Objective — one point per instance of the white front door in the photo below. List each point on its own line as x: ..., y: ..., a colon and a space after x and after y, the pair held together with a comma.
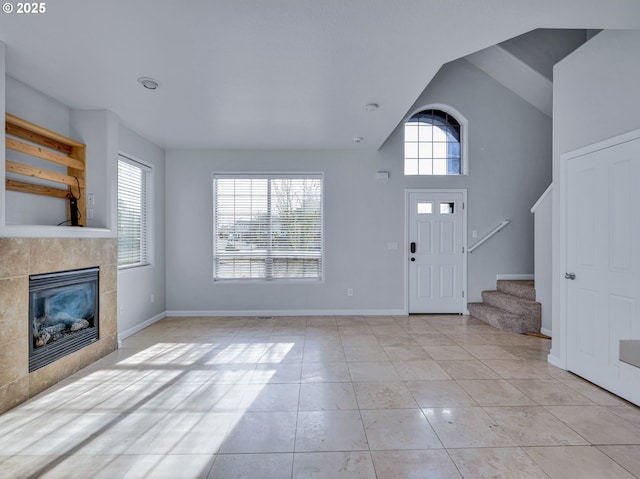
x: 603, y: 265
x: 436, y: 251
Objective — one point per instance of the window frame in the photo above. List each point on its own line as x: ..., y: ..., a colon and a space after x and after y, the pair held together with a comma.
x: 268, y: 176
x: 462, y: 120
x: 147, y: 252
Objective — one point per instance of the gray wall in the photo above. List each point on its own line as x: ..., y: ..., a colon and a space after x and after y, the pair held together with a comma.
x: 98, y: 129
x: 509, y: 168
x: 141, y: 291
x: 361, y: 215
x: 596, y: 97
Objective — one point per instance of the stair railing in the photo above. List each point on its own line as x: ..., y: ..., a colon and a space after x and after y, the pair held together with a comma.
x: 494, y: 231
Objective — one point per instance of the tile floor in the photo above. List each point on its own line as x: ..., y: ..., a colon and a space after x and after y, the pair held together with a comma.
x: 323, y: 397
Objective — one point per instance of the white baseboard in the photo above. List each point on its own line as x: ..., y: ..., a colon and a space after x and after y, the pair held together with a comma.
x: 515, y: 277
x: 546, y: 331
x: 139, y: 327
x: 555, y: 361
x: 287, y: 312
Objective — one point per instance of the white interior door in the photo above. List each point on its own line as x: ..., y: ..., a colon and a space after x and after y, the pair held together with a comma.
x: 435, y: 254
x: 603, y: 267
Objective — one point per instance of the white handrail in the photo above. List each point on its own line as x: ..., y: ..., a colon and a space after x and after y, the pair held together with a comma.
x: 489, y: 235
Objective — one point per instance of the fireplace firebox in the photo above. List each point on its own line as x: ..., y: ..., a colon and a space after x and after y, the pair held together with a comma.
x: 63, y: 314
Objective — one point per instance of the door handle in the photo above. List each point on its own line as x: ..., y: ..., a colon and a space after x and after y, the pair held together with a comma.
x: 413, y: 247
x: 570, y: 276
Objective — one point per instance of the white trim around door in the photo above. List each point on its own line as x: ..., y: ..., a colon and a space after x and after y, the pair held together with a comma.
x: 461, y: 307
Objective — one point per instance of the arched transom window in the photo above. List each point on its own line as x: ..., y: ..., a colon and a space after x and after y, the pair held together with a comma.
x: 432, y: 140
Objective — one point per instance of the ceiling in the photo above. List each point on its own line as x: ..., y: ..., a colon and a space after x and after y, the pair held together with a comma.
x: 541, y: 49
x: 268, y: 74
x: 524, y: 64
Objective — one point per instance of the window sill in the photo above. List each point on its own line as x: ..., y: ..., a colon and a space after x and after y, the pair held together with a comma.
x: 133, y: 267
x: 40, y: 231
x: 255, y: 281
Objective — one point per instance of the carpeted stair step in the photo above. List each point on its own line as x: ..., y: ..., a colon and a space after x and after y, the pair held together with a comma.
x: 523, y: 289
x: 501, y: 319
x: 513, y: 304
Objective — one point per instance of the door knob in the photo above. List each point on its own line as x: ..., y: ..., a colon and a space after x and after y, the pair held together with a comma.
x: 571, y: 276
x: 413, y: 259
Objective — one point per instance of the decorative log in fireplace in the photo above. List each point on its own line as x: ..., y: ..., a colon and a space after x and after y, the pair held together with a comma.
x: 63, y: 314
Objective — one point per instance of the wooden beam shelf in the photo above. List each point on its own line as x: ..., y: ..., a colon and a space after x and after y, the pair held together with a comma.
x: 14, y: 185
x: 33, y: 140
x: 43, y: 154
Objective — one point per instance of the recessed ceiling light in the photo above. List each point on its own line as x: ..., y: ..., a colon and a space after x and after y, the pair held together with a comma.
x: 371, y: 107
x: 149, y: 83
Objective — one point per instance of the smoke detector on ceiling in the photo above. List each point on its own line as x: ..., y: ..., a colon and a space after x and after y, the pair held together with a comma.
x: 149, y: 83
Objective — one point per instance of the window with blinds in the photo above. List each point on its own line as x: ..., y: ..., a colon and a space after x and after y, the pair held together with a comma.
x: 133, y: 213
x: 267, y: 227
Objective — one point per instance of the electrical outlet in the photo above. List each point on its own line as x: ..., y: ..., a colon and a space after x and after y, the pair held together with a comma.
x: 349, y: 291
x: 91, y: 199
x: 89, y: 213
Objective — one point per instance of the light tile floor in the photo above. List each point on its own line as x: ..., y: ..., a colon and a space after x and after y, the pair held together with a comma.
x: 323, y: 397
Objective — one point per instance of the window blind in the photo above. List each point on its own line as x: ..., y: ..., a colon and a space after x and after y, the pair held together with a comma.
x: 133, y: 220
x: 267, y: 227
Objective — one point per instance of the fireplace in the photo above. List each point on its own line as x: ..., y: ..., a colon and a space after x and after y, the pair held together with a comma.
x: 63, y: 314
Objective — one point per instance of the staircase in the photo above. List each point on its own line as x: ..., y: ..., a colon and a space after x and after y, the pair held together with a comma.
x: 512, y: 307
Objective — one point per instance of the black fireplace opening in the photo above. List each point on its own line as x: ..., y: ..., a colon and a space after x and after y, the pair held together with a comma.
x: 63, y: 314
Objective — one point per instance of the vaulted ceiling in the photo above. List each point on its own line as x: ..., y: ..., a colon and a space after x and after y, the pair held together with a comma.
x: 268, y: 74
x: 524, y: 64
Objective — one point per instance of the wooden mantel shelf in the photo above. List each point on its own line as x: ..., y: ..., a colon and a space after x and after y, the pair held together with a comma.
x: 38, y: 142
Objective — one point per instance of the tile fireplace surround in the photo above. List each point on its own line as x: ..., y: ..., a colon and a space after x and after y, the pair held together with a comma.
x: 21, y: 257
